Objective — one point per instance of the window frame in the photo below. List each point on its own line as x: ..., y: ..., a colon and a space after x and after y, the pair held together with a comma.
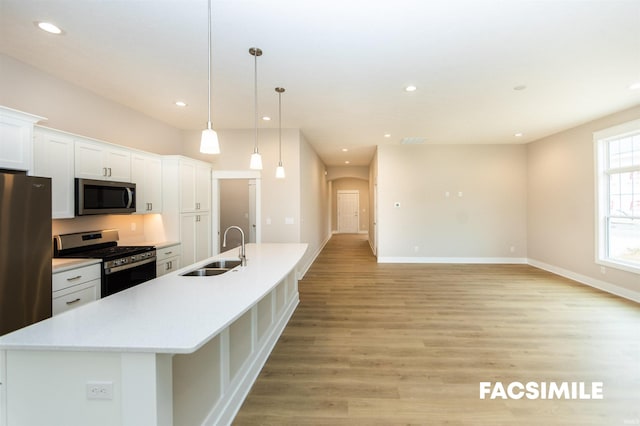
x: 601, y: 141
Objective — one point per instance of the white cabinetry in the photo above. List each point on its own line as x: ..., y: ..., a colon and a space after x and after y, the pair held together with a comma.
x: 75, y: 287
x: 195, y: 229
x: 167, y: 259
x: 186, y: 190
x: 95, y: 160
x: 195, y: 186
x: 16, y: 139
x: 53, y: 156
x: 146, y: 173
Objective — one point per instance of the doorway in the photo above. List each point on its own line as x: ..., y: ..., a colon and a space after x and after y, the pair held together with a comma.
x: 348, y: 211
x: 236, y: 201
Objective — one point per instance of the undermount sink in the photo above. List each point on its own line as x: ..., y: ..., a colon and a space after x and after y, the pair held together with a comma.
x: 218, y: 267
x: 223, y: 264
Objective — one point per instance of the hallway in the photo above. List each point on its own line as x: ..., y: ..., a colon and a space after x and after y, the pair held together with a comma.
x: 385, y: 344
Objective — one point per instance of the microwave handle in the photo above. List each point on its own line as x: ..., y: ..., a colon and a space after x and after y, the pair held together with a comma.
x: 130, y: 196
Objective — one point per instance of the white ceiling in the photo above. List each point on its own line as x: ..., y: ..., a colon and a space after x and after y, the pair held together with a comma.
x: 344, y: 64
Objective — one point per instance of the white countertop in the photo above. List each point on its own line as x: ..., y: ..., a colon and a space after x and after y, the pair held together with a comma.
x: 170, y: 314
x: 64, y: 264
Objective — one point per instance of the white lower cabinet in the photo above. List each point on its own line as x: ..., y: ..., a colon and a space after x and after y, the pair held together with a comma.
x: 168, y: 259
x: 75, y: 287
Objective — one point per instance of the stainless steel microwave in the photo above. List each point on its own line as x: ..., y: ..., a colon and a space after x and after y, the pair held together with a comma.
x: 104, y: 197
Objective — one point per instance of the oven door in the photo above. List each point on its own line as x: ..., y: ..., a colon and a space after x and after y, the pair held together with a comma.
x: 119, y: 279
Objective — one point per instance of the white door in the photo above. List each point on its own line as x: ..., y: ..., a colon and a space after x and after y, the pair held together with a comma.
x: 348, y: 206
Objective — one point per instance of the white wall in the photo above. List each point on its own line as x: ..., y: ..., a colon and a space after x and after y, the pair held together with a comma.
x: 561, y: 206
x: 314, y: 196
x: 76, y: 110
x: 486, y: 224
x: 280, y: 199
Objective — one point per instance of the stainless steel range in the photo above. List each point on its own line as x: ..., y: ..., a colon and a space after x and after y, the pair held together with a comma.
x: 122, y: 266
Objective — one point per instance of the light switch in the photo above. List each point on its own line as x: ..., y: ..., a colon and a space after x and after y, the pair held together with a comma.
x: 288, y: 221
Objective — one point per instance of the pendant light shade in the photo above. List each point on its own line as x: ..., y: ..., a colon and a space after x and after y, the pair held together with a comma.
x: 256, y: 158
x: 209, y: 141
x: 280, y: 169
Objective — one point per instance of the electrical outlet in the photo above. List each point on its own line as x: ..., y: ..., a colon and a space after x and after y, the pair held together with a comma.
x: 99, y: 390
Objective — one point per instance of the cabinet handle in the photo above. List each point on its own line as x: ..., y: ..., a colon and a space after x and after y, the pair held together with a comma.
x: 104, y: 171
x: 71, y: 302
x: 109, y: 171
x: 150, y: 206
x: 74, y: 278
x: 167, y: 253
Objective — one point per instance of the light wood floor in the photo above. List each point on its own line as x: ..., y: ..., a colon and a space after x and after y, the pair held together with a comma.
x: 387, y: 344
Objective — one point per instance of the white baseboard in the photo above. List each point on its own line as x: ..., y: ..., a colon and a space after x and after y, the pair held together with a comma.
x: 487, y: 260
x: 592, y: 282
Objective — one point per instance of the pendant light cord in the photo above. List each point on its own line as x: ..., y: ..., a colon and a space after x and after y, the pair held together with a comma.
x: 209, y: 67
x: 280, y: 127
x: 255, y: 86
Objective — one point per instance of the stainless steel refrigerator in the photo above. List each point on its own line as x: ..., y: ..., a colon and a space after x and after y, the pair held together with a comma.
x: 25, y: 250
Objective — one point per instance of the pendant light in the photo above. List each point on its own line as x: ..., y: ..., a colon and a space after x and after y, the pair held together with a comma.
x: 209, y: 142
x: 280, y: 170
x: 256, y: 158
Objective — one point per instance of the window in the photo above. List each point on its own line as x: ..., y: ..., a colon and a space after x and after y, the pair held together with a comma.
x: 618, y: 195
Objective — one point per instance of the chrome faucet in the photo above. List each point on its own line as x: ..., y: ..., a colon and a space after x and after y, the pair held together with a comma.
x: 243, y: 257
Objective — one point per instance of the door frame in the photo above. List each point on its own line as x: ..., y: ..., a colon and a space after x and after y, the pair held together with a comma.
x: 216, y: 176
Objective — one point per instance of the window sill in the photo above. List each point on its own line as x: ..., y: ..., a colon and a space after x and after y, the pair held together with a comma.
x: 619, y: 265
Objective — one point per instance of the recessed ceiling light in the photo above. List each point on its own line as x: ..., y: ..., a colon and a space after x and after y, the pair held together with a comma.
x: 265, y: 118
x: 181, y: 104
x: 387, y: 135
x: 345, y: 149
x: 520, y: 87
x: 347, y: 162
x: 49, y: 27
x: 635, y: 86
x: 518, y: 135
x: 410, y: 88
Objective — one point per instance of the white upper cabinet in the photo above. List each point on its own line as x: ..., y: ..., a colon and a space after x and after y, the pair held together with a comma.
x: 195, y: 186
x: 53, y: 157
x: 146, y: 173
x: 95, y: 160
x: 16, y: 139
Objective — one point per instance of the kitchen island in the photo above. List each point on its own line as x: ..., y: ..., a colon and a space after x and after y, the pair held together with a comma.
x: 178, y: 349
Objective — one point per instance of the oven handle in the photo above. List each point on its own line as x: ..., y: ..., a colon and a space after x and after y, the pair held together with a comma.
x: 109, y: 271
x: 130, y: 197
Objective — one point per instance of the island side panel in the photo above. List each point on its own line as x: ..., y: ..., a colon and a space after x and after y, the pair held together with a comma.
x: 210, y: 385
x: 79, y: 388
x: 50, y: 387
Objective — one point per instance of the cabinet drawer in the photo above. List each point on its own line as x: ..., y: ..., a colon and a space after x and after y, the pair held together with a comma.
x: 72, y: 277
x: 80, y: 295
x: 167, y: 252
x: 167, y: 265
